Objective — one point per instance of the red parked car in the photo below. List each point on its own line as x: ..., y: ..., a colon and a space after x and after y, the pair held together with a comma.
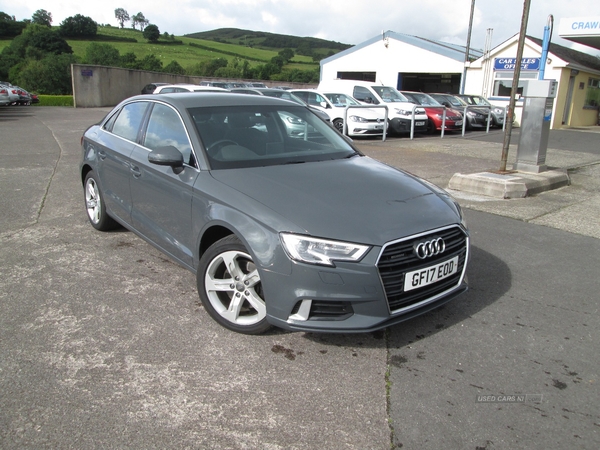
x: 434, y: 111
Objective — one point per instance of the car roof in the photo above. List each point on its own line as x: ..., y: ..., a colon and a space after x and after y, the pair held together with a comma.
x: 195, y: 87
x: 209, y: 99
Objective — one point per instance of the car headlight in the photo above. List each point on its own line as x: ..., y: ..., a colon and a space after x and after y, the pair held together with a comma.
x: 403, y: 112
x: 357, y: 119
x: 321, y: 251
x: 294, y: 120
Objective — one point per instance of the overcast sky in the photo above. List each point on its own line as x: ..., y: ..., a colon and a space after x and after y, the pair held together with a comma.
x: 346, y: 21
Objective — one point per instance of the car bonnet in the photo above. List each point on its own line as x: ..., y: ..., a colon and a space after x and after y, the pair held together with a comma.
x: 357, y: 200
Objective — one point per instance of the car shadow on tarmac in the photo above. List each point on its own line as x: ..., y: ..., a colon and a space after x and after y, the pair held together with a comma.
x: 489, y: 279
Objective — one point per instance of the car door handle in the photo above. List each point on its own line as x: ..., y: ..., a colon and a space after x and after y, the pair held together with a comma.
x: 102, y: 154
x: 135, y: 170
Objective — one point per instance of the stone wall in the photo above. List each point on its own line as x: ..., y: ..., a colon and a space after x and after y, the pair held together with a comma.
x: 96, y: 86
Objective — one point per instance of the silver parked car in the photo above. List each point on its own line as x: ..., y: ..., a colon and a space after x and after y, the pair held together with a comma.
x: 304, y: 233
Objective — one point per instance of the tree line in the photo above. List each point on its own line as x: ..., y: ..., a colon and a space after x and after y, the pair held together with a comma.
x: 39, y: 58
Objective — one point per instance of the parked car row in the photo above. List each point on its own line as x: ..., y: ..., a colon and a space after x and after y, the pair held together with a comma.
x: 361, y: 104
x: 475, y: 117
x: 150, y: 88
x: 15, y: 95
x: 451, y: 121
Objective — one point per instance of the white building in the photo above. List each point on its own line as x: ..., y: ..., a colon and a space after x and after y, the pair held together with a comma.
x: 417, y: 64
x: 577, y: 74
x: 400, y: 60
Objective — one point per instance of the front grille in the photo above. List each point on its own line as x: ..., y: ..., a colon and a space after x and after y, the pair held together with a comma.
x: 398, y: 258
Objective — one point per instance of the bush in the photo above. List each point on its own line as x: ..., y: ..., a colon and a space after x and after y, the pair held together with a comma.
x: 54, y: 100
x: 78, y: 26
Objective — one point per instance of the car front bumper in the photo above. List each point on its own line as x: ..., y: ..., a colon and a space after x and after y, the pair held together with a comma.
x: 365, y: 296
x: 398, y: 125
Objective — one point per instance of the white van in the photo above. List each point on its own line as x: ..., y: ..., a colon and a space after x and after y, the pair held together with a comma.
x: 400, y: 109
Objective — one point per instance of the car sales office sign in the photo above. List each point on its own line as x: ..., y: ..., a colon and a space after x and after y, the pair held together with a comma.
x: 510, y: 63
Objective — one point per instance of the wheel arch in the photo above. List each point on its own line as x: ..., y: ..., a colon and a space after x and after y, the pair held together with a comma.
x: 261, y: 242
x: 85, y: 169
x: 211, y: 235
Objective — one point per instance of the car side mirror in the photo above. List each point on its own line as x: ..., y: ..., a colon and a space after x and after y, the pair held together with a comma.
x: 324, y: 105
x: 167, y: 156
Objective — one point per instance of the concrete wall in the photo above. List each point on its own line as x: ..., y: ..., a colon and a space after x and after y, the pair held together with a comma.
x: 95, y: 86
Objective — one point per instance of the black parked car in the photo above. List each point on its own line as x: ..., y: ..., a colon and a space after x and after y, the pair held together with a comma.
x: 149, y: 88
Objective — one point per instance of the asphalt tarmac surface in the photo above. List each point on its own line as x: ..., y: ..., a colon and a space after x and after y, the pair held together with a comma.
x: 104, y: 344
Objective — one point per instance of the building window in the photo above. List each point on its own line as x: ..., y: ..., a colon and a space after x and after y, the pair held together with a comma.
x: 592, y: 96
x: 361, y: 76
x: 503, y: 83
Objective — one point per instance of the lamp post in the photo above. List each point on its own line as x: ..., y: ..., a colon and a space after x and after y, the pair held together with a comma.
x: 515, y: 84
x: 467, y: 49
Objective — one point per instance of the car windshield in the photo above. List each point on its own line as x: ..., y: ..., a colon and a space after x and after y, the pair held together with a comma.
x: 389, y: 94
x: 481, y: 101
x: 261, y: 135
x: 341, y: 100
x: 454, y: 101
x: 423, y: 99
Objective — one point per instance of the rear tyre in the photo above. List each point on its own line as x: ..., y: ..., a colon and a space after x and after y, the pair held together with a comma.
x: 94, y: 205
x: 230, y: 289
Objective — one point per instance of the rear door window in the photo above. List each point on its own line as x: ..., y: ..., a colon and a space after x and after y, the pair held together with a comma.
x: 127, y: 124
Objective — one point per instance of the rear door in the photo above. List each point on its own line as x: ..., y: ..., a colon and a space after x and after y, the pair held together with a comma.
x: 115, y: 143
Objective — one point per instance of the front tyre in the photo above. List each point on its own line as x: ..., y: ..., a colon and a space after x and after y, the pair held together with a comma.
x: 94, y: 205
x: 230, y: 289
x: 339, y: 125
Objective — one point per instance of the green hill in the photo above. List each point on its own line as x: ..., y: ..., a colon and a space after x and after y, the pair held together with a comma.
x: 185, y: 50
x: 229, y: 43
x: 307, y: 46
x: 224, y: 53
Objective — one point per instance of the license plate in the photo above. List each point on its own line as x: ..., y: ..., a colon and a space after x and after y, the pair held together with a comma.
x: 419, y: 124
x: 379, y: 127
x: 430, y: 275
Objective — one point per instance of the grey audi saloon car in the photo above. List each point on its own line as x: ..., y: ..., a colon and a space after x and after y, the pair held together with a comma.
x: 299, y: 231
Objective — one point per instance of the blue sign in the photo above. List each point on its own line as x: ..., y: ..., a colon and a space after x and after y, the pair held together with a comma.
x: 511, y: 63
x: 87, y: 73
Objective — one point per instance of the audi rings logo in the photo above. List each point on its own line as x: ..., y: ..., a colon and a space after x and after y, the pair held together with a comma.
x: 429, y: 248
